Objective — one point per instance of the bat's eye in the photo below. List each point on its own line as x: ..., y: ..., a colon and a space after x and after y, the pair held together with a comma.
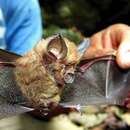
x: 69, y: 77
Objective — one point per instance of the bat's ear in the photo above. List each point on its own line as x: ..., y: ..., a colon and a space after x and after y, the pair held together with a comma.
x: 57, y: 47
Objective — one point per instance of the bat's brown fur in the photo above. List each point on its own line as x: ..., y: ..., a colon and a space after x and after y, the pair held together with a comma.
x: 40, y: 77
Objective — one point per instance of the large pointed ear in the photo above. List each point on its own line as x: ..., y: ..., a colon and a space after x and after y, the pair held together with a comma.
x: 57, y: 47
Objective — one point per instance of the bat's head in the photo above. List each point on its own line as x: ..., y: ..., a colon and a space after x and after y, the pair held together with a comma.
x: 60, y: 57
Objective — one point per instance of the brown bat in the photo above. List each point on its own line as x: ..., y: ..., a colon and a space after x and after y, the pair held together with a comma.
x: 37, y: 79
x: 41, y: 73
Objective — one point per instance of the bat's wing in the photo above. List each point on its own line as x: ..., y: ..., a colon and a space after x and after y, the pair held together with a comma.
x: 101, y: 81
x: 12, y: 101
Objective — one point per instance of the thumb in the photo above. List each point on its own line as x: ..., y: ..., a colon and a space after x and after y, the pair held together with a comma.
x: 123, y: 52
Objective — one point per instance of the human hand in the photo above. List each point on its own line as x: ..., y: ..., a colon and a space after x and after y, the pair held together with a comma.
x: 113, y: 40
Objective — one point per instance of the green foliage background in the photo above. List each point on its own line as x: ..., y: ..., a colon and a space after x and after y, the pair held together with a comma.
x: 78, y: 18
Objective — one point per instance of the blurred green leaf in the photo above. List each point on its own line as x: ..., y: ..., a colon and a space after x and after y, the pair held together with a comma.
x: 69, y: 33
